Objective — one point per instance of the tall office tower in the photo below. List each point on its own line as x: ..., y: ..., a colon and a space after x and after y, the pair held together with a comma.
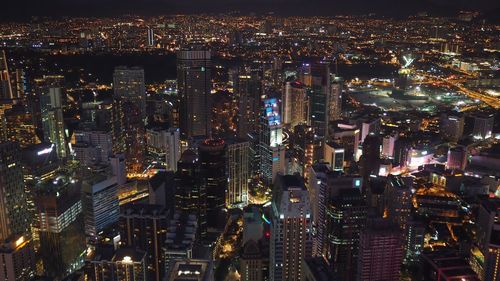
x: 380, y: 251
x: 248, y: 89
x: 335, y: 100
x: 304, y: 147
x: 345, y: 218
x: 145, y: 227
x: 212, y: 159
x: 238, y: 173
x: 5, y: 105
x: 17, y: 259
x: 319, y: 98
x: 181, y: 239
x: 401, y: 148
x: 117, y: 163
x: 18, y: 124
x: 194, y: 74
x: 5, y: 86
x: 488, y: 239
x: 19, y: 88
x: 190, y: 193
x: 457, y: 158
x: 414, y: 241
x: 99, y: 205
x: 252, y: 262
x: 53, y: 121
x: 60, y: 225
x: 92, y: 146
x: 272, y: 151
x: 129, y: 114
x: 14, y: 216
x: 318, y: 195
x: 388, y: 142
x: 347, y: 135
x: 124, y: 264
x: 369, y: 126
x: 334, y: 155
x: 195, y: 270
x: 165, y: 146
x: 451, y: 126
x: 295, y: 105
x: 291, y: 229
x: 399, y: 200
x: 370, y: 158
x: 483, y: 126
x: 151, y: 37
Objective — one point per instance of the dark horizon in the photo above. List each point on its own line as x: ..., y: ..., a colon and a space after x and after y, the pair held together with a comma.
x: 24, y: 10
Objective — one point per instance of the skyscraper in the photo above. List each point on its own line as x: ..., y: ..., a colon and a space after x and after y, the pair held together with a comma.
x: 53, y: 121
x: 14, y: 216
x: 291, y: 229
x: 165, y: 146
x: 151, y: 37
x: 319, y: 98
x: 237, y: 173
x: 99, y: 204
x: 457, y: 158
x: 295, y: 104
x: 190, y: 193
x: 194, y: 70
x: 272, y: 151
x: 451, y: 126
x: 124, y: 264
x: 5, y: 86
x: 129, y: 114
x: 380, y: 251
x: 248, y: 88
x: 145, y: 227
x: 17, y: 259
x: 483, y: 126
x: 488, y: 239
x: 213, y: 171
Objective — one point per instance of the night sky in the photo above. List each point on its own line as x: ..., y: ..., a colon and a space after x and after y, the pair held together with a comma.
x: 22, y: 9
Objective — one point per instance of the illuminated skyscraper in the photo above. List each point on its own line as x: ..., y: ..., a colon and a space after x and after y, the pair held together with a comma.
x: 190, y: 193
x: 295, y: 104
x: 14, y: 216
x: 488, y: 240
x: 151, y: 37
x: 53, y: 121
x: 320, y: 95
x: 194, y: 85
x: 124, y: 264
x: 5, y: 86
x: 248, y: 88
x: 17, y: 259
x: 238, y: 173
x: 483, y: 126
x: 213, y: 171
x: 457, y: 158
x: 129, y: 114
x: 165, y: 146
x: 291, y: 229
x: 272, y: 151
x: 380, y: 251
x: 451, y: 126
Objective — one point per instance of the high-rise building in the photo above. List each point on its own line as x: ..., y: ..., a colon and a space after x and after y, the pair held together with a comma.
x: 15, y: 218
x: 129, y: 114
x: 388, y: 142
x: 445, y: 265
x: 483, y: 126
x: 457, y: 158
x: 190, y: 193
x: 399, y: 200
x: 60, y: 225
x: 17, y: 259
x: 347, y: 136
x: 194, y: 70
x: 380, y: 251
x: 181, y: 238
x: 369, y: 126
x: 165, y: 146
x: 92, y: 146
x: 414, y: 241
x: 252, y: 262
x: 291, y: 229
x: 318, y: 195
x: 5, y: 86
x: 124, y: 264
x: 151, y: 37
x: 238, y: 173
x: 212, y: 159
x: 305, y: 147
x: 295, y: 104
x: 488, y: 239
x: 145, y: 227
x: 335, y: 100
x: 99, y: 204
x: 53, y: 121
x: 272, y: 151
x: 451, y: 126
x: 319, y: 98
x: 345, y: 216
x: 334, y: 155
x: 248, y: 88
